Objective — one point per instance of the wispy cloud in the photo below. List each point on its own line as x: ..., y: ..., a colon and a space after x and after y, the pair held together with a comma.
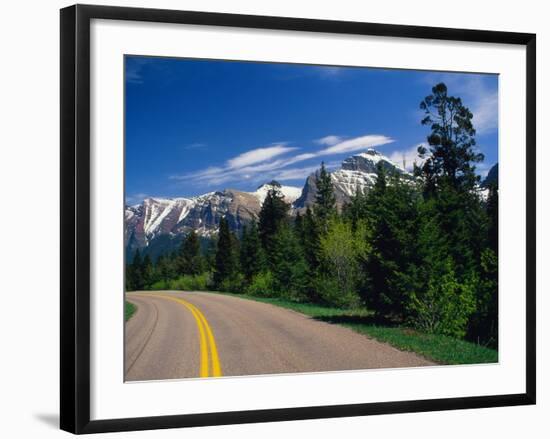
x: 258, y: 155
x: 356, y: 144
x: 275, y: 161
x: 329, y: 140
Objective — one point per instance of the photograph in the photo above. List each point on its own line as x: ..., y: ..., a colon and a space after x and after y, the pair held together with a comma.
x: 295, y: 218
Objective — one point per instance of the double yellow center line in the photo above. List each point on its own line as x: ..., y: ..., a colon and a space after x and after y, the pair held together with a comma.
x: 207, y: 342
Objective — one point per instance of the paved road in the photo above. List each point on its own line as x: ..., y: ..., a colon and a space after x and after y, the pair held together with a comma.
x: 192, y: 334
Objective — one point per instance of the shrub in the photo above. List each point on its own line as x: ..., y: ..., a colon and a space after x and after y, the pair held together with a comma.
x: 198, y: 282
x: 233, y: 284
x: 261, y: 285
x: 330, y: 291
x: 446, y: 305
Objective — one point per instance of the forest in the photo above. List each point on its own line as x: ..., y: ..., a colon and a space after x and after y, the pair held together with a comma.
x: 421, y: 251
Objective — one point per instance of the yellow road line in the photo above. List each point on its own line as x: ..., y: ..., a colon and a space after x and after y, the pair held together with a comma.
x: 206, y: 338
x: 216, y: 367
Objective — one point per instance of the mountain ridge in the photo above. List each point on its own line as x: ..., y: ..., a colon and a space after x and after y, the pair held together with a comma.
x: 169, y: 219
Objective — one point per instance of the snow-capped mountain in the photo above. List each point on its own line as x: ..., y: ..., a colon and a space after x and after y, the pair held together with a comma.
x: 163, y: 222
x: 291, y: 193
x: 161, y: 218
x: 356, y: 172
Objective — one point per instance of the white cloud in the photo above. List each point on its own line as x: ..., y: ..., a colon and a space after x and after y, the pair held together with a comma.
x: 257, y: 156
x: 486, y: 113
x: 408, y: 157
x: 295, y: 173
x: 356, y: 144
x: 265, y: 163
x: 329, y: 140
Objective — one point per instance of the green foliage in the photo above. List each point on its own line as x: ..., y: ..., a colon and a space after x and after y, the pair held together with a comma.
x: 200, y: 282
x: 451, y: 159
x: 325, y: 201
x: 492, y: 214
x: 252, y: 256
x: 342, y: 252
x: 226, y: 263
x: 129, y: 310
x: 288, y: 265
x: 484, y: 323
x: 445, y: 306
x: 442, y: 349
x: 190, y: 258
x: 233, y: 284
x: 273, y: 213
x: 262, y: 285
x: 392, y: 216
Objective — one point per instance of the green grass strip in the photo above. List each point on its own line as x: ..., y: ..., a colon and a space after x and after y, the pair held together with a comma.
x: 129, y: 310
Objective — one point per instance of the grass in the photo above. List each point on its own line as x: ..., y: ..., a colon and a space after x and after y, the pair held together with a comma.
x: 129, y: 310
x: 438, y: 348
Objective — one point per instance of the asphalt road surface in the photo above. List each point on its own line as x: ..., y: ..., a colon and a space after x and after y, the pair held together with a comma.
x: 191, y: 334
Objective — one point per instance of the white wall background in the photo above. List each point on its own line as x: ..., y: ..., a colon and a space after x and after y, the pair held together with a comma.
x: 29, y: 217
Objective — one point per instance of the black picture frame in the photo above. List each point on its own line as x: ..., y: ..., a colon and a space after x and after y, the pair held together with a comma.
x: 75, y: 217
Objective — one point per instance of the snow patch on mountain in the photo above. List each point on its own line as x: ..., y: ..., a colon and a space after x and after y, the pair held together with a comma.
x: 291, y: 193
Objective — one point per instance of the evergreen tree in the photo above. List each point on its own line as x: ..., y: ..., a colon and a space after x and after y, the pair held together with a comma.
x: 356, y: 209
x: 252, y: 257
x: 392, y: 220
x: 273, y: 213
x: 451, y: 159
x: 165, y: 268
x: 288, y: 265
x: 310, y: 240
x: 325, y: 201
x: 226, y: 263
x: 448, y: 174
x: 135, y: 271
x: 190, y: 258
x: 148, y: 272
x: 492, y: 214
x: 210, y: 249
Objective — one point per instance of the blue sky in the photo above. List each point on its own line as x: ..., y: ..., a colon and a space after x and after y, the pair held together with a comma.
x: 195, y: 126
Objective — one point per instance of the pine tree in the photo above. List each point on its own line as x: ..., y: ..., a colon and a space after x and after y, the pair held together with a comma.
x: 310, y: 240
x: 325, y: 201
x: 392, y: 216
x: 492, y: 214
x: 252, y: 257
x: 288, y: 265
x: 148, y: 272
x: 449, y: 177
x: 191, y: 261
x: 451, y: 159
x: 226, y: 263
x: 136, y: 271
x: 356, y: 209
x: 273, y: 213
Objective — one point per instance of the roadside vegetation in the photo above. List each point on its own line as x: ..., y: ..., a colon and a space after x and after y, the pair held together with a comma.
x: 129, y: 310
x: 412, y: 261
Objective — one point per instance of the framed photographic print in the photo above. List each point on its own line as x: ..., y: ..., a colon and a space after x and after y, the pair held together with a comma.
x: 268, y: 218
